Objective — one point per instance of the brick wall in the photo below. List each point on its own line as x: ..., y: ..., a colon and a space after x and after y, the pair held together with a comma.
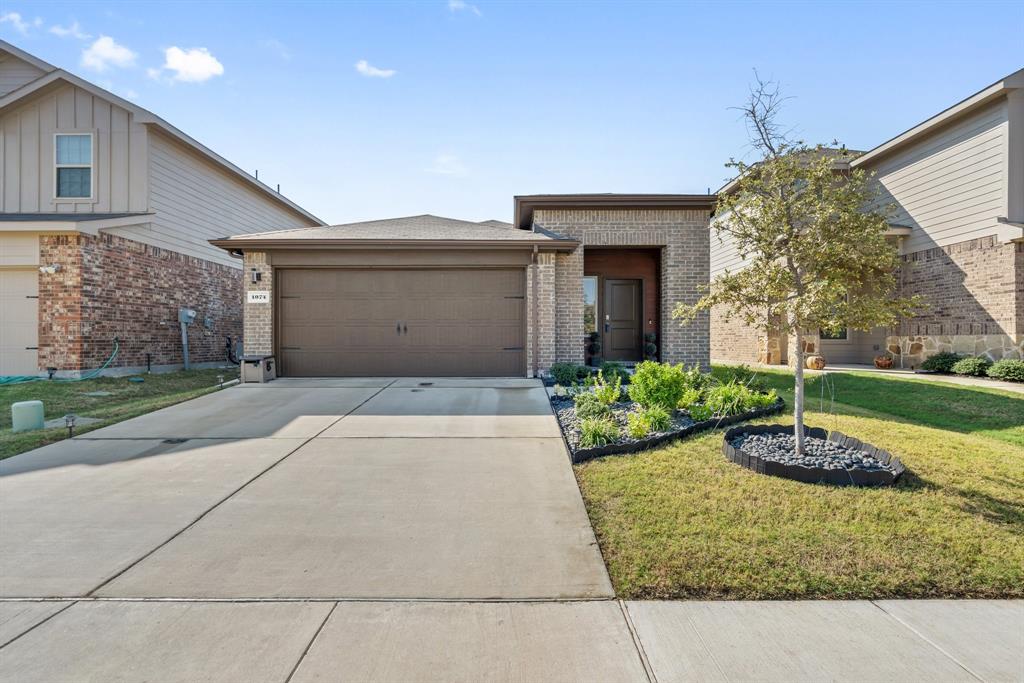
x: 684, y: 238
x: 109, y: 287
x: 733, y: 340
x: 972, y: 288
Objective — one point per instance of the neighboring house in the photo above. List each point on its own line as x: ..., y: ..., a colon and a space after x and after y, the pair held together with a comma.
x: 105, y: 215
x: 432, y: 296
x: 957, y: 184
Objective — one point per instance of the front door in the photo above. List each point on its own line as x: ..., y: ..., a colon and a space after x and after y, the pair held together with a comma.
x: 623, y: 320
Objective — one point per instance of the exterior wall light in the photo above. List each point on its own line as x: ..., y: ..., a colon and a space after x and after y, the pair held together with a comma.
x: 51, y: 269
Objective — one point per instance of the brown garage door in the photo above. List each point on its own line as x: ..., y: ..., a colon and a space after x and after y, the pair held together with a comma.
x: 394, y: 323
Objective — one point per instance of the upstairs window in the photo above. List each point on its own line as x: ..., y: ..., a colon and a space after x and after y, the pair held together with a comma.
x: 73, y: 156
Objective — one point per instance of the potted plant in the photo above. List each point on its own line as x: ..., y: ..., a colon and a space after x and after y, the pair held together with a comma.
x: 650, y: 346
x: 594, y: 347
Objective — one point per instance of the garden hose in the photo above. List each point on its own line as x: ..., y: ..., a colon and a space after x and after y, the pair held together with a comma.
x: 24, y: 379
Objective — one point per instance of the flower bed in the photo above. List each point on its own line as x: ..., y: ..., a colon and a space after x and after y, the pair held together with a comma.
x: 829, y: 458
x: 681, y: 425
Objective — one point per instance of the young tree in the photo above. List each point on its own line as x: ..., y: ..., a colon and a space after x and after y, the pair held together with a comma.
x: 816, y: 256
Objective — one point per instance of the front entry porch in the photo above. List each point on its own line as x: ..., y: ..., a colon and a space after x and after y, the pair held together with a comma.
x: 621, y: 297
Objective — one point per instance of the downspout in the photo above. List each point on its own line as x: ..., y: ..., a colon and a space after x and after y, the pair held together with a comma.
x: 533, y: 313
x: 899, y: 251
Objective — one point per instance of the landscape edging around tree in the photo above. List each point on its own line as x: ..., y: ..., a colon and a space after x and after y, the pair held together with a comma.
x: 815, y: 475
x: 584, y: 454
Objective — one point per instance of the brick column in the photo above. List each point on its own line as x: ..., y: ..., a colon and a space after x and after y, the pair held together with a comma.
x: 259, y: 317
x: 546, y: 312
x: 570, y: 339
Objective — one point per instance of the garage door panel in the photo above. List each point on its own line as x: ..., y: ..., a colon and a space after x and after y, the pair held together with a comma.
x: 19, y: 331
x: 454, y: 322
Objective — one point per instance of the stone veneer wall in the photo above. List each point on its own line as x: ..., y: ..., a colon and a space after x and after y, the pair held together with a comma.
x: 684, y: 238
x: 110, y: 286
x: 975, y: 292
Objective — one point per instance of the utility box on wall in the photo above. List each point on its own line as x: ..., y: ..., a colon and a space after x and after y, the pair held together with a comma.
x: 259, y: 369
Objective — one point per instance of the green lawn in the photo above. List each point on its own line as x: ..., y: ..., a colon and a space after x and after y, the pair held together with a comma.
x: 127, y: 399
x: 683, y: 522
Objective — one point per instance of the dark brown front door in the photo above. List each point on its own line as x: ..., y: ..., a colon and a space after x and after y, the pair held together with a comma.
x: 334, y: 322
x: 623, y: 320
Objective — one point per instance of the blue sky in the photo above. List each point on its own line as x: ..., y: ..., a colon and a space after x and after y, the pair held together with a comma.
x: 367, y: 111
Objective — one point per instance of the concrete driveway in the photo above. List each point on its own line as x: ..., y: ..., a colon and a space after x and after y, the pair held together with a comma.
x: 420, y: 488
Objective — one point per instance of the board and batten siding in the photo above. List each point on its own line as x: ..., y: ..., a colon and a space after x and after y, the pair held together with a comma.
x: 195, y: 201
x: 950, y: 186
x: 26, y: 145
x: 15, y: 73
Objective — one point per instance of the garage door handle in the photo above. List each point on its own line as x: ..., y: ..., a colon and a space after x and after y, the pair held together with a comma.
x: 405, y: 329
x: 398, y: 328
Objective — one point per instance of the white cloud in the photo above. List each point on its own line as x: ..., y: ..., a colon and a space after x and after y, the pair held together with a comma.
x: 20, y: 24
x: 448, y: 164
x: 370, y: 71
x: 106, y: 52
x: 463, y: 6
x: 278, y: 48
x: 193, y: 65
x: 72, y: 31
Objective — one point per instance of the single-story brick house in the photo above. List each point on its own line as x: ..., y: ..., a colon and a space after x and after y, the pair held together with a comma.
x: 105, y: 215
x: 956, y: 181
x: 432, y: 296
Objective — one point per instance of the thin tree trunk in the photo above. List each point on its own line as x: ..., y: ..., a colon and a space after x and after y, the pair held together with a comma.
x: 798, y: 394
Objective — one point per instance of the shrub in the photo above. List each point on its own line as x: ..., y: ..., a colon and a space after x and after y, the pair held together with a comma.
x: 568, y: 374
x: 588, y: 405
x: 637, y: 425
x: 695, y: 379
x: 728, y: 399
x: 690, y: 396
x: 606, y: 393
x: 941, y: 362
x: 1007, y: 369
x: 597, y: 431
x: 699, y: 412
x: 658, y: 384
x: 761, y: 399
x: 612, y: 370
x: 658, y: 418
x: 976, y: 366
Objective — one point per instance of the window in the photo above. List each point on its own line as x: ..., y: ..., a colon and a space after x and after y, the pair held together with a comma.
x: 73, y: 157
x: 590, y: 304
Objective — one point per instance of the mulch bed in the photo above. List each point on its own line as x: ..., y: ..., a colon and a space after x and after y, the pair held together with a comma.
x: 829, y: 458
x: 682, y: 425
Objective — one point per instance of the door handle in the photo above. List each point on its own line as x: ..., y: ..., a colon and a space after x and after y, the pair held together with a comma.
x: 607, y: 327
x: 398, y: 328
x: 405, y: 329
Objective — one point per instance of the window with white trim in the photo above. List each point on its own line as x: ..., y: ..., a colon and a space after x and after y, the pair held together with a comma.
x: 73, y: 165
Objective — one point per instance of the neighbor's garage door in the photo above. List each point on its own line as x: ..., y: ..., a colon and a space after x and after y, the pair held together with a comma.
x: 401, y: 323
x: 19, y: 321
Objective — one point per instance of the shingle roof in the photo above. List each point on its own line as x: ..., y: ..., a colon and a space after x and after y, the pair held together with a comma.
x: 424, y: 227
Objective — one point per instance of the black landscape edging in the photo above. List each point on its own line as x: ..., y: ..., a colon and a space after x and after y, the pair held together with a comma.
x: 584, y: 454
x: 815, y: 475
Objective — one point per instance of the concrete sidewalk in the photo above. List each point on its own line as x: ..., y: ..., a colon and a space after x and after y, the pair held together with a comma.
x: 600, y: 640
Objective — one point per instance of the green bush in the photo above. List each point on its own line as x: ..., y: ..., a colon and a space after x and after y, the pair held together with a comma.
x: 606, y: 392
x: 699, y: 412
x: 657, y: 418
x: 568, y: 374
x: 690, y: 396
x: 588, y: 405
x: 695, y: 379
x: 658, y: 384
x: 597, y: 431
x: 728, y: 399
x: 637, y: 425
x: 941, y: 362
x: 761, y: 399
x: 976, y: 366
x: 1007, y: 369
x: 613, y: 370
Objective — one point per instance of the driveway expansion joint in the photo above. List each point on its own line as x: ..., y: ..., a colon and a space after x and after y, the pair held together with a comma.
x: 927, y: 640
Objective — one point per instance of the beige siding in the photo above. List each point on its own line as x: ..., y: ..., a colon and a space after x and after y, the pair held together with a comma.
x: 15, y: 73
x: 19, y: 249
x: 950, y: 186
x: 27, y: 164
x: 724, y: 255
x: 195, y: 201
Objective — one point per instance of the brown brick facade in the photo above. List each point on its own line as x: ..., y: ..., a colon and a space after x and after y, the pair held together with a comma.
x: 684, y: 240
x: 733, y: 340
x: 109, y: 286
x: 259, y: 317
